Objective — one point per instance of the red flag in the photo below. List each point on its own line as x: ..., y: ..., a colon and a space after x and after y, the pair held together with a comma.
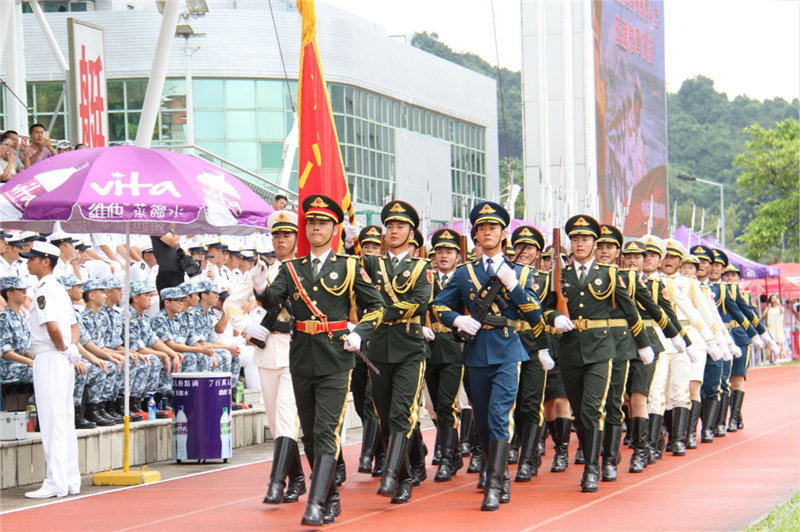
x: 321, y: 170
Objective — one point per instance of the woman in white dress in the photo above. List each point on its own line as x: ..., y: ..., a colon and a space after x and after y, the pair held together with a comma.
x: 773, y: 317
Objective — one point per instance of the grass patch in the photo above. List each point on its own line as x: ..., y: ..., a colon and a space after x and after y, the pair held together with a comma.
x: 784, y: 517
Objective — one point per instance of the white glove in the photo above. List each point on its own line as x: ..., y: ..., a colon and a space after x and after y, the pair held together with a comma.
x: 258, y: 273
x: 351, y: 326
x: 647, y: 355
x: 563, y: 324
x: 772, y: 344
x: 255, y: 330
x: 714, y: 351
x: 758, y: 342
x: 350, y: 234
x: 352, y: 343
x: 72, y: 353
x: 679, y: 343
x: 545, y: 359
x: 428, y: 334
x: 693, y: 353
x: 735, y: 350
x: 467, y: 324
x: 507, y: 276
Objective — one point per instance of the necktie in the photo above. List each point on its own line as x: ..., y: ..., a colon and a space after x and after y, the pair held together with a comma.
x: 583, y: 273
x: 315, y: 268
x: 489, y: 268
x: 394, y: 261
x: 444, y: 280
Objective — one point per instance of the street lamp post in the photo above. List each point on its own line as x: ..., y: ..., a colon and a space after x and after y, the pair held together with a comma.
x: 687, y: 177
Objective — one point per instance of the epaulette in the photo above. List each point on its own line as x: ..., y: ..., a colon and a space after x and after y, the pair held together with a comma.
x: 294, y: 259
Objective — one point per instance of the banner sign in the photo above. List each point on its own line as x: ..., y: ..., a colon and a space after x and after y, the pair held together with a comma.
x: 87, y: 84
x: 631, y: 110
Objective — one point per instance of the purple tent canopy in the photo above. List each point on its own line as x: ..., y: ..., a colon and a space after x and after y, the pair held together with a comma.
x: 750, y: 269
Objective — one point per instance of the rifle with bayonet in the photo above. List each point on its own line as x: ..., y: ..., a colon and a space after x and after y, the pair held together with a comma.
x: 489, y: 294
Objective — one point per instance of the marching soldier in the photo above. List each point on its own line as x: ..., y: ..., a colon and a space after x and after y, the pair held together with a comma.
x: 494, y: 356
x: 398, y: 348
x: 445, y: 369
x: 528, y: 243
x: 271, y: 356
x: 321, y: 287
x: 592, y: 292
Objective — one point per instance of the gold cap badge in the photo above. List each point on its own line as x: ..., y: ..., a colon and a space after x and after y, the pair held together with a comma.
x: 525, y: 232
x: 580, y: 222
x: 319, y: 203
x: 373, y: 232
x: 397, y: 208
x: 487, y: 209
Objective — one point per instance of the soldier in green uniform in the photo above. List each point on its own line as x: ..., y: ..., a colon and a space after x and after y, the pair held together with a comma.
x: 397, y: 347
x: 593, y: 292
x: 321, y: 287
x: 528, y: 243
x: 445, y: 369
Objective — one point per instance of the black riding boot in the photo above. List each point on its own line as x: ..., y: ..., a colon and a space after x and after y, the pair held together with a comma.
x: 592, y: 441
x: 677, y: 441
x: 282, y: 456
x: 737, y: 396
x: 341, y: 471
x: 497, y: 463
x: 641, y: 449
x: 561, y: 434
x: 447, y: 463
x: 528, y: 453
x: 369, y: 437
x: 321, y: 481
x: 395, y: 457
x: 710, y: 409
x: 477, y: 458
x: 380, y: 457
x: 722, y: 417
x: 691, y: 426
x: 465, y: 435
x: 297, y: 479
x: 653, y: 437
x: 611, y: 438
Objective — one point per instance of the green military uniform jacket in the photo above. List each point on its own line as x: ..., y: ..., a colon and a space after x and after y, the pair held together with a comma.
x: 445, y: 348
x: 341, y: 283
x: 596, y: 298
x: 405, y: 291
x: 536, y: 337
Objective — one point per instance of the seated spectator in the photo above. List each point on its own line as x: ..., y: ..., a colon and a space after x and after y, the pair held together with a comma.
x: 67, y: 265
x: 63, y: 146
x: 81, y: 146
x: 15, y: 337
x: 13, y: 138
x: 279, y: 202
x: 8, y: 160
x: 39, y: 148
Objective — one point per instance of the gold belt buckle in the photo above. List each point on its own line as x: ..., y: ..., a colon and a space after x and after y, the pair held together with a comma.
x: 312, y: 327
x: 581, y: 324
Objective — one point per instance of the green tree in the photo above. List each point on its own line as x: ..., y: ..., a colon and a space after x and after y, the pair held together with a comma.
x: 769, y: 180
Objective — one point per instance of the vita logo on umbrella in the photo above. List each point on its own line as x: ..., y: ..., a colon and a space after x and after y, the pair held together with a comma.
x: 135, y: 188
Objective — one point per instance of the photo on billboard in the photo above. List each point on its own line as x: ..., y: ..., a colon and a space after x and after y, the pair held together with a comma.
x: 630, y: 99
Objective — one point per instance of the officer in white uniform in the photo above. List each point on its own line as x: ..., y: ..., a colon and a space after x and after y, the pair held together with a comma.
x: 54, y: 338
x: 273, y: 366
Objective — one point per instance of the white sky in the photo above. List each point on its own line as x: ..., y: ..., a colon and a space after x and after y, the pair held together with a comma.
x: 747, y: 47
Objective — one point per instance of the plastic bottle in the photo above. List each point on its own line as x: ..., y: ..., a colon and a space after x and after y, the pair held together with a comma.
x: 151, y: 409
x: 225, y: 433
x: 181, y: 434
x: 223, y: 203
x: 14, y: 200
x: 239, y: 394
x: 31, y: 418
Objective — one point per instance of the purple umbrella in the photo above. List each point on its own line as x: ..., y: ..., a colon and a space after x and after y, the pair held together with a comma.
x: 127, y: 188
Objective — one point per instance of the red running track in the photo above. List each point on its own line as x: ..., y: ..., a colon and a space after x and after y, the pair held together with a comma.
x: 720, y: 486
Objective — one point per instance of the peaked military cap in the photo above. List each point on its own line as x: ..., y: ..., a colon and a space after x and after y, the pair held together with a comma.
x: 634, y: 247
x: 548, y: 253
x: 691, y: 259
x: 111, y: 282
x: 446, y: 238
x: 30, y: 236
x: 140, y: 287
x: 93, y: 284
x: 209, y: 286
x: 720, y: 256
x: 61, y: 237
x: 12, y: 282
x: 675, y: 248
x: 218, y: 243
x: 582, y: 224
x: 610, y: 235
x: 69, y: 281
x: 527, y: 234
x: 654, y: 244
x: 702, y: 252
x: 282, y: 221
x: 489, y: 212
x: 733, y: 268
x: 371, y: 233
x: 323, y: 208
x: 81, y: 246
x: 401, y: 211
x: 418, y: 240
x: 41, y: 249
x: 172, y: 292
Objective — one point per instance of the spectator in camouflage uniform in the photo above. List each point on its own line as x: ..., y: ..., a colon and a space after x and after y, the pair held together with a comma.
x: 15, y: 337
x: 171, y: 327
x: 195, y: 325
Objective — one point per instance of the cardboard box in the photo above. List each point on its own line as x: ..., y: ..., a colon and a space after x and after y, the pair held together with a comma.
x: 12, y: 425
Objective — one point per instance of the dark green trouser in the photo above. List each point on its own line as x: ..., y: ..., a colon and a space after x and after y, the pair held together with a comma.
x: 530, y: 396
x: 321, y: 403
x: 587, y: 389
x: 362, y: 392
x: 616, y: 392
x: 396, y: 394
x: 443, y: 382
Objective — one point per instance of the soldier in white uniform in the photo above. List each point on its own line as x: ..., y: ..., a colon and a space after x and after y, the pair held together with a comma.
x: 54, y: 338
x: 273, y: 366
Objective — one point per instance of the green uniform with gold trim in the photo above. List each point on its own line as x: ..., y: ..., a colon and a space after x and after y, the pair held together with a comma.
x: 533, y: 377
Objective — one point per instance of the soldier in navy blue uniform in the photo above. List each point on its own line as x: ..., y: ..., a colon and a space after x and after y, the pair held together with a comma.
x: 496, y: 353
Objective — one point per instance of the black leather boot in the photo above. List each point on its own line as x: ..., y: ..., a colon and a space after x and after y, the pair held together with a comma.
x: 653, y: 437
x: 405, y: 483
x: 465, y: 435
x: 380, y: 457
x: 447, y: 466
x: 739, y: 413
x: 437, y: 449
x: 544, y: 433
x: 93, y: 413
x: 81, y: 422
x: 737, y: 396
x: 626, y: 441
x: 561, y: 434
x: 678, y: 433
x: 482, y: 474
x: 641, y: 449
x: 333, y: 505
x: 496, y: 465
x: 417, y: 451
x: 722, y: 416
x: 108, y: 410
x: 513, y: 450
x: 395, y: 458
x: 321, y: 481
x: 592, y: 440
x: 710, y: 409
x: 668, y: 424
x: 579, y: 456
x: 691, y: 426
x: 282, y: 456
x: 611, y: 438
x: 528, y: 453
x: 476, y: 460
x: 297, y: 479
x: 119, y: 407
x: 341, y: 471
x: 369, y: 438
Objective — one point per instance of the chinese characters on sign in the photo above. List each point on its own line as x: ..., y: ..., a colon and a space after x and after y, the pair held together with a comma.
x: 88, y: 103
x: 92, y: 104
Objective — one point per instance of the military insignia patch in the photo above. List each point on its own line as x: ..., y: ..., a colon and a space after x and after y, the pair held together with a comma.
x: 365, y: 276
x: 373, y: 232
x: 487, y: 209
x: 406, y: 273
x: 535, y: 286
x: 580, y: 222
x: 430, y: 276
x: 40, y: 302
x: 334, y: 276
x: 598, y: 282
x: 525, y: 232
x: 296, y: 296
x: 318, y: 202
x: 397, y: 207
